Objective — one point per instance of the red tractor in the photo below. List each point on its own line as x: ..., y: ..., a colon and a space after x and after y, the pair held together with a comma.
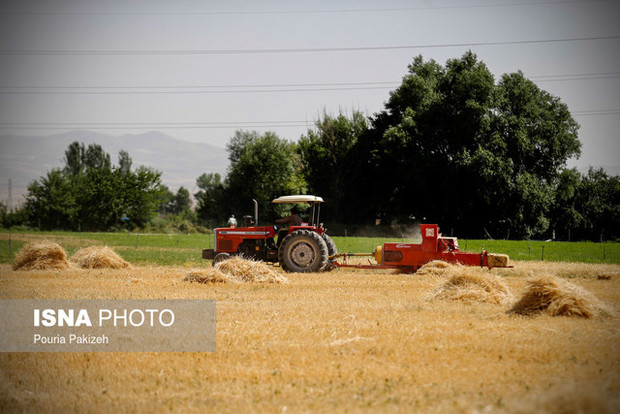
x: 305, y: 248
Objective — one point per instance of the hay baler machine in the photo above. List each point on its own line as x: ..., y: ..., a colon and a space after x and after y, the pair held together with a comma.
x: 409, y: 257
x: 304, y: 248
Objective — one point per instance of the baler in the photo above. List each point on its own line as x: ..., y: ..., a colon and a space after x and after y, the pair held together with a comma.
x: 409, y: 257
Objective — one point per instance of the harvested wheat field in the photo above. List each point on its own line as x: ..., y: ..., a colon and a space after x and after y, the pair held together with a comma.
x: 98, y: 257
x: 42, y: 255
x: 333, y: 342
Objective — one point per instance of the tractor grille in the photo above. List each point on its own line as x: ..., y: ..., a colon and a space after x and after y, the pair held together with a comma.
x: 224, y: 244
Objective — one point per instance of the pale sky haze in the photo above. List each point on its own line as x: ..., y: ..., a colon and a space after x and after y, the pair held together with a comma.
x: 198, y: 70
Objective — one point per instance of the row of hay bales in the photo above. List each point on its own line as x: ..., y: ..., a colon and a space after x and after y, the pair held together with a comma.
x: 47, y: 255
x: 543, y: 294
x: 51, y: 256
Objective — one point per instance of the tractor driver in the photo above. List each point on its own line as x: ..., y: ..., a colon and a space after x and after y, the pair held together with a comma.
x: 292, y: 220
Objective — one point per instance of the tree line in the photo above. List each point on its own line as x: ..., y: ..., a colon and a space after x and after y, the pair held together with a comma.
x: 452, y: 146
x: 89, y: 193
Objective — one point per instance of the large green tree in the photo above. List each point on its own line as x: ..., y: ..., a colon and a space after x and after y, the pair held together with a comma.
x: 331, y: 165
x: 211, y: 200
x: 51, y: 201
x: 262, y: 167
x: 566, y: 218
x: 586, y: 206
x: 598, y: 200
x: 454, y: 147
x: 537, y: 135
x: 179, y: 203
x: 433, y: 124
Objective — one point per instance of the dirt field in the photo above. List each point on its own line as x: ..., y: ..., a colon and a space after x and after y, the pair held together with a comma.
x: 346, y: 341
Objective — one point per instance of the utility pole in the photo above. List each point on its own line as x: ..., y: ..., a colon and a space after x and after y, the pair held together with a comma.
x: 10, y: 202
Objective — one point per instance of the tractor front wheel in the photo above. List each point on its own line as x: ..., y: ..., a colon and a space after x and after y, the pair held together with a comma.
x: 303, y: 251
x: 220, y: 257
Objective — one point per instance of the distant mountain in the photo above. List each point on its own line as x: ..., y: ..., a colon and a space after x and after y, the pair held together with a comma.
x: 26, y: 158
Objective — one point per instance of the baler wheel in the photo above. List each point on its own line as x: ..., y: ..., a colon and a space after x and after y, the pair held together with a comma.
x: 303, y: 251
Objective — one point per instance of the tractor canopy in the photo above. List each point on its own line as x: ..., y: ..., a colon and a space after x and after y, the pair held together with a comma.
x: 314, y: 201
x: 298, y: 199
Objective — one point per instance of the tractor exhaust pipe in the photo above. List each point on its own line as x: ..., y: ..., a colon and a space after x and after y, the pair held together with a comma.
x: 255, y: 212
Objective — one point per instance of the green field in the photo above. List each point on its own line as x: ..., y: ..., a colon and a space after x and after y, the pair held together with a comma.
x: 161, y: 249
x: 185, y: 249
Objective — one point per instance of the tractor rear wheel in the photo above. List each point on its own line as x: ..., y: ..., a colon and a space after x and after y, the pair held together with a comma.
x: 332, y: 250
x: 303, y: 251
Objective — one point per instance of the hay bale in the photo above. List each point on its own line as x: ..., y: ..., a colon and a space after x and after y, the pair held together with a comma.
x: 249, y: 270
x: 553, y: 296
x: 236, y: 270
x: 210, y: 275
x: 98, y: 257
x: 497, y: 260
x: 469, y: 285
x: 434, y: 268
x: 43, y: 255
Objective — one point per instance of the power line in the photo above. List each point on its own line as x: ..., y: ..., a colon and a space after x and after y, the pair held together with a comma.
x: 205, y: 125
x: 220, y: 123
x: 259, y: 85
x: 193, y: 91
x: 279, y: 12
x: 596, y: 112
x: 143, y: 52
x: 158, y: 125
x: 585, y: 76
x: 561, y: 78
x: 248, y: 88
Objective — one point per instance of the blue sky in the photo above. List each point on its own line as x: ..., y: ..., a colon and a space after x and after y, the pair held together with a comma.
x: 198, y: 70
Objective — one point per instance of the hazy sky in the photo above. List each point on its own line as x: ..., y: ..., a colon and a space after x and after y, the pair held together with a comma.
x: 198, y: 70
